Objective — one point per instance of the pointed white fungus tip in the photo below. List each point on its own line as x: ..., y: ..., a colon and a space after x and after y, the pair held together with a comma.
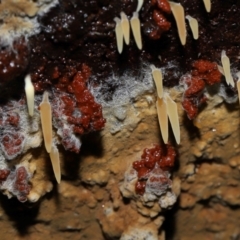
x: 139, y: 6
x: 54, y: 156
x: 125, y: 27
x: 162, y: 118
x: 194, y: 26
x: 136, y: 29
x: 46, y: 121
x: 172, y: 112
x: 30, y: 93
x: 119, y: 34
x: 207, y: 4
x: 226, y: 68
x: 158, y: 79
x: 179, y: 15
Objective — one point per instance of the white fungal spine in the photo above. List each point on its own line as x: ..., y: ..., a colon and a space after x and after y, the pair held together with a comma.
x: 125, y: 27
x: 139, y: 6
x: 157, y: 77
x: 173, y: 117
x: 29, y: 91
x: 46, y: 120
x: 207, y: 4
x: 194, y: 26
x: 54, y: 156
x: 179, y: 15
x: 226, y: 68
x: 136, y: 29
x: 162, y: 118
x: 119, y: 34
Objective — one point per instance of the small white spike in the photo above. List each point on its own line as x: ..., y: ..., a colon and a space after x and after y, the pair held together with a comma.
x: 136, y: 29
x: 179, y: 15
x: 139, y: 6
x: 238, y: 85
x: 46, y: 120
x: 194, y: 26
x: 226, y: 68
x: 173, y: 117
x: 207, y: 4
x: 162, y: 118
x: 157, y: 77
x: 54, y: 156
x: 30, y: 92
x: 125, y: 27
x: 119, y: 34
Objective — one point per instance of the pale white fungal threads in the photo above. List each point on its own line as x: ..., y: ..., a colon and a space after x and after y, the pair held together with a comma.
x: 125, y: 27
x: 207, y: 4
x: 157, y: 77
x: 54, y: 156
x: 194, y: 26
x: 179, y: 15
x: 29, y: 91
x: 119, y: 34
x: 139, y: 6
x: 162, y: 118
x: 136, y: 29
x: 226, y: 68
x: 173, y: 117
x: 46, y: 120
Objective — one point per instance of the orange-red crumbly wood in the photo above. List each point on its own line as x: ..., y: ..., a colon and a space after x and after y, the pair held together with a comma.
x: 158, y: 157
x: 160, y: 24
x: 204, y: 73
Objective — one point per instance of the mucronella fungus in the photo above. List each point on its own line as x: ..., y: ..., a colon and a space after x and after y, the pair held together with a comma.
x: 29, y: 91
x: 46, y: 121
x: 194, y: 26
x: 179, y: 15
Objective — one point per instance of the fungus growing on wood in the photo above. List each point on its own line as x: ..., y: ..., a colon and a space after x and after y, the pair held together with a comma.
x: 226, y: 68
x: 179, y: 15
x: 54, y: 156
x: 119, y: 34
x: 136, y: 29
x: 207, y: 4
x: 157, y: 77
x: 125, y: 27
x: 29, y: 91
x: 46, y: 120
x: 194, y: 26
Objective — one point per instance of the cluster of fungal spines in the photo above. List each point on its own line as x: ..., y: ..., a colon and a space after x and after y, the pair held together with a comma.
x: 166, y: 108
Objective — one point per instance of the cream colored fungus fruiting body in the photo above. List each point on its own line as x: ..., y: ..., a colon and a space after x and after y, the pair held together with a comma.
x: 139, y: 6
x: 46, y: 120
x: 29, y: 91
x: 136, y: 29
x: 173, y: 117
x: 119, y: 34
x: 125, y: 27
x: 194, y: 26
x: 157, y: 77
x: 226, y: 68
x: 162, y: 118
x: 207, y: 4
x: 179, y: 15
x: 54, y: 156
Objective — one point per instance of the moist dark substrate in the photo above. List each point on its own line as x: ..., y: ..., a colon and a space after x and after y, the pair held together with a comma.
x: 78, y: 31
